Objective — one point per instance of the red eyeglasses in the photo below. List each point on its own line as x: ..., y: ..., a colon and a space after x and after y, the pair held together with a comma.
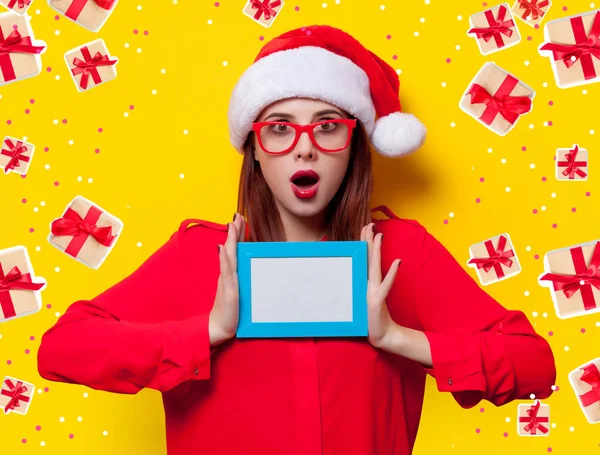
x: 329, y: 136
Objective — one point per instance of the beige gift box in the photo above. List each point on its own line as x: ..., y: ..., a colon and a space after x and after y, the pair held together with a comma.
x: 569, y: 31
x: 566, y: 263
x: 263, y: 12
x: 87, y: 13
x: 24, y: 152
x: 533, y: 419
x: 84, y: 247
x: 15, y: 303
x: 96, y: 76
x: 19, y: 7
x: 532, y: 12
x: 585, y: 380
x: 19, y: 65
x: 21, y: 391
x: 496, y: 270
x: 578, y: 170
x: 496, y: 41
x: 492, y: 78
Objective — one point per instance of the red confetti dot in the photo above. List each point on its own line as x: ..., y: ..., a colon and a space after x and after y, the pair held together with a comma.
x: 484, y: 3
x: 131, y: 107
x: 56, y: 184
x: 448, y: 60
x: 26, y: 351
x: 555, y: 225
x: 38, y: 428
x: 477, y: 430
x: 529, y: 38
x: 478, y: 200
x: 445, y: 221
x: 216, y: 4
x: 550, y: 123
x: 46, y: 149
x: 543, y: 179
x: 24, y: 441
x: 550, y: 103
x: 523, y: 148
x: 537, y: 256
x: 64, y: 120
x: 8, y: 122
x: 32, y: 101
x: 97, y: 150
x: 573, y: 209
x: 8, y: 362
x: 550, y: 333
x: 57, y: 17
x: 135, y: 31
x: 481, y: 409
x: 23, y: 176
x: 536, y: 26
x: 71, y: 436
x: 582, y: 330
x: 587, y: 193
x: 389, y: 37
x: 31, y: 230
x: 146, y: 32
x: 100, y: 130
x: 481, y: 179
x: 297, y: 8
x: 505, y: 435
x: 394, y: 56
x: 27, y: 111
x: 308, y: 32
x: 23, y: 200
x: 557, y: 389
x: 46, y: 389
x: 550, y: 448
x: 49, y: 306
x: 564, y: 8
x: 535, y: 211
x: 49, y: 69
x: 32, y: 338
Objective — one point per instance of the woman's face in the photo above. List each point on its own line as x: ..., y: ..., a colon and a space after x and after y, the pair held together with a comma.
x: 279, y: 169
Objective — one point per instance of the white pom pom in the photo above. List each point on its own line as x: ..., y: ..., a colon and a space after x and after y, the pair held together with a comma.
x: 398, y: 134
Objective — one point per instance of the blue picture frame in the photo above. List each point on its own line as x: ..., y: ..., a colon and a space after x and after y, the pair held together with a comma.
x: 356, y: 250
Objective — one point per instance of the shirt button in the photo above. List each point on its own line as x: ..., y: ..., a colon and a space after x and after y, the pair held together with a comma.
x: 196, y: 371
x: 449, y: 381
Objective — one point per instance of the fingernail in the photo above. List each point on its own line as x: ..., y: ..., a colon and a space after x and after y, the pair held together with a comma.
x: 234, y: 216
x: 382, y: 237
x: 373, y: 228
x: 219, y: 248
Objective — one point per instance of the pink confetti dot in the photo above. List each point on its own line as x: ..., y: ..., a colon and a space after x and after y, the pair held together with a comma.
x: 16, y: 27
x: 56, y: 183
x: 46, y: 389
x: 557, y: 389
x: 26, y: 351
x: 24, y: 441
x: 97, y: 150
x: 389, y: 37
x: 49, y: 69
x: 477, y: 430
x: 536, y: 26
x: 146, y: 32
x: 8, y: 122
x: 31, y: 101
x: 100, y: 130
x: 573, y: 209
x: 549, y: 122
x: 523, y: 148
x: 32, y: 338
x: 308, y: 32
x: 587, y: 193
x: 46, y: 149
x: 49, y: 306
x: 445, y: 221
x: 8, y: 362
x: 27, y: 111
x: 550, y: 103
x: 57, y: 17
x: 31, y: 230
x: 132, y: 107
x: 505, y: 435
x: 394, y: 56
x: 135, y: 31
x: 297, y: 8
x: 478, y: 200
x: 448, y: 60
x: 71, y: 436
x: 484, y: 3
x: 481, y: 179
x: 23, y: 176
x: 555, y: 225
x: 535, y: 211
x: 64, y: 120
x: 550, y: 448
x: 543, y: 179
x: 554, y: 158
x: 564, y: 8
x: 537, y: 256
x: 217, y: 4
x: 583, y: 330
x: 23, y: 200
x: 529, y: 38
x: 550, y: 333
x: 481, y: 409
x: 38, y: 428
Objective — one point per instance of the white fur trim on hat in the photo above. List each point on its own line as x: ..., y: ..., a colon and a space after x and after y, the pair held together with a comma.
x: 307, y: 71
x: 398, y: 134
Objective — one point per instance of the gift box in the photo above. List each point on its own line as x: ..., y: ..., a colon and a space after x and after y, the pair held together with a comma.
x: 497, y: 99
x: 263, y: 12
x: 17, y: 6
x: 573, y: 45
x: 533, y: 419
x: 573, y: 276
x: 85, y: 232
x: 585, y: 381
x: 19, y: 288
x: 91, y: 65
x: 572, y: 164
x: 16, y: 395
x: 494, y: 259
x: 531, y: 12
x: 20, y: 56
x: 91, y: 14
x: 494, y: 29
x: 15, y: 155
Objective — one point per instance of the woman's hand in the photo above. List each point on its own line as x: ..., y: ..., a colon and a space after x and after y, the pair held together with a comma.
x: 381, y: 324
x: 224, y: 316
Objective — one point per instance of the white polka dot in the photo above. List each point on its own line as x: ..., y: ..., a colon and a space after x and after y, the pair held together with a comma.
x: 507, y: 420
x: 181, y: 176
x: 527, y: 248
x: 39, y: 391
x: 37, y: 11
x: 125, y: 114
x: 57, y: 314
x: 566, y: 348
x: 503, y: 160
x: 210, y: 22
x: 139, y: 244
x: 507, y: 189
x: 154, y: 92
x: 545, y: 123
x: 104, y: 433
x: 43, y: 203
x: 532, y: 396
x: 35, y: 209
x: 416, y: 33
x: 139, y: 7
x: 532, y: 166
x: 37, y: 248
x: 0, y: 336
x: 584, y: 91
x: 526, y: 293
x: 79, y: 419
x: 398, y: 71
x: 573, y: 58
x: 490, y: 150
x: 43, y: 443
x: 571, y: 429
x: 126, y: 45
x: 553, y: 425
x: 85, y: 394
x: 545, y: 315
x: 427, y: 2
x: 545, y: 84
x: 452, y: 124
x: 47, y: 166
x: 57, y: 269
x: 531, y: 126
x: 597, y: 324
x: 422, y: 20
x: 55, y: 122
x: 71, y: 142
x: 592, y: 131
x: 526, y: 62
x: 57, y: 77
x: 185, y: 131
x: 592, y: 5
x: 535, y: 314
x: 553, y: 195
x: 457, y: 47
x: 163, y: 71
x: 382, y: 7
x: 324, y: 5
x: 61, y: 419
x: 139, y: 50
x: 451, y: 214
x: 79, y: 179
x: 57, y: 32
x: 459, y: 18
x: 90, y: 180
x: 543, y: 208
x: 581, y: 282
x: 225, y: 63
x: 443, y: 84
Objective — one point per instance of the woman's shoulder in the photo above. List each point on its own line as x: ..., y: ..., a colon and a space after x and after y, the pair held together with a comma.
x: 196, y: 231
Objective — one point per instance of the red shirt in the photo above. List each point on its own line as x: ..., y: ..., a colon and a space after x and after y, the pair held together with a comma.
x: 295, y: 396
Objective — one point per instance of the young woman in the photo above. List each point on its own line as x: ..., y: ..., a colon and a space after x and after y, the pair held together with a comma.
x: 170, y: 325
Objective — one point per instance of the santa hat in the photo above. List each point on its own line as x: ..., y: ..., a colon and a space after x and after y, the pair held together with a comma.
x: 325, y: 63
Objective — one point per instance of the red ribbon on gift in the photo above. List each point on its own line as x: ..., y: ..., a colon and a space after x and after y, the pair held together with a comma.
x: 532, y: 8
x: 591, y: 376
x: 497, y: 27
x: 15, y: 392
x: 89, y: 66
x: 14, y: 43
x: 572, y: 164
x: 584, y: 48
x: 15, y: 152
x: 14, y: 280
x: 496, y: 258
x: 21, y: 3
x: 510, y: 107
x: 81, y: 228
x: 75, y: 8
x: 535, y: 422
x: 265, y: 7
x: 585, y: 277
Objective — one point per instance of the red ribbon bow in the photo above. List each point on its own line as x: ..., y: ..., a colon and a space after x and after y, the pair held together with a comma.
x: 497, y: 27
x: 585, y: 277
x: 21, y: 3
x: 15, y: 152
x: 532, y: 8
x: 265, y: 7
x: 89, y: 66
x: 73, y: 224
x: 14, y: 280
x: 12, y: 44
x: 75, y: 8
x: 591, y: 376
x: 573, y: 165
x: 496, y: 257
x: 584, y: 48
x: 15, y: 392
x: 535, y: 422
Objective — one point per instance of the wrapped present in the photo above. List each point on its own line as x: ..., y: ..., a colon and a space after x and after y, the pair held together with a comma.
x: 17, y: 6
x: 15, y: 155
x: 86, y: 232
x: 19, y: 288
x: 494, y: 29
x: 531, y: 12
x: 19, y: 56
x: 263, y: 11
x: 585, y: 381
x: 533, y: 419
x: 91, y: 65
x: 573, y: 45
x: 573, y: 274
x: 497, y: 99
x: 91, y: 14
x: 494, y: 259
x: 16, y: 395
x: 572, y: 164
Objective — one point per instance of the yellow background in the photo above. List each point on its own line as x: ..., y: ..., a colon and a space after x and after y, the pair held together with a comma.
x: 152, y: 175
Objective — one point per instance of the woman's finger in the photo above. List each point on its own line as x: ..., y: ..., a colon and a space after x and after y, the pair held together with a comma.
x: 231, y: 245
x: 242, y: 228
x: 226, y: 272
x: 387, y: 283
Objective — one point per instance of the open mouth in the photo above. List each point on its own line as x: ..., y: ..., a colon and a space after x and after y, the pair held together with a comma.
x: 305, y: 182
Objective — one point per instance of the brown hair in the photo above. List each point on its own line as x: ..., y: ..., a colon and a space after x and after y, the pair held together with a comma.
x: 347, y: 212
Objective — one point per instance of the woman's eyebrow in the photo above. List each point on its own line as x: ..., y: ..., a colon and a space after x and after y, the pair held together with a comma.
x: 291, y: 116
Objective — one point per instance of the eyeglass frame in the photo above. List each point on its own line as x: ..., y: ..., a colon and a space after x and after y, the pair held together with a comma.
x: 308, y: 128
